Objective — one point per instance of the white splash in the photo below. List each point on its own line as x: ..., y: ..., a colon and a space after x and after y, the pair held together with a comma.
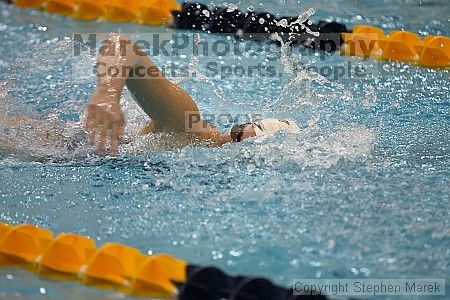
x: 314, y: 147
x: 231, y: 7
x: 301, y: 19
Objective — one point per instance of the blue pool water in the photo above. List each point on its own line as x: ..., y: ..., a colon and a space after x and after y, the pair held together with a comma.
x: 362, y: 192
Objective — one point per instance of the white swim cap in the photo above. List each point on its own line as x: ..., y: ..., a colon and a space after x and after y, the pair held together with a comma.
x: 271, y: 126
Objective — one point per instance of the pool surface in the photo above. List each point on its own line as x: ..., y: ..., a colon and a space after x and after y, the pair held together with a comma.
x: 362, y: 192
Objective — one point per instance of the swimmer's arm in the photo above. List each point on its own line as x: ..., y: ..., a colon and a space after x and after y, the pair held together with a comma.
x: 208, y: 132
x: 164, y: 102
x: 105, y: 120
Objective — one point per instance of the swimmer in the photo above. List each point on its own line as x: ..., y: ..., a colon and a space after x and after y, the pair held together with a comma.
x: 169, y: 108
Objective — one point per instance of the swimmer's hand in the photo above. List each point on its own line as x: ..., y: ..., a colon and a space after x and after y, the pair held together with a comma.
x: 105, y: 121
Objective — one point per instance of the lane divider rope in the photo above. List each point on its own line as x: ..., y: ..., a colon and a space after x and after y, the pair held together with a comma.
x: 365, y: 41
x: 75, y: 257
x: 368, y: 41
x: 149, y: 12
x: 125, y: 269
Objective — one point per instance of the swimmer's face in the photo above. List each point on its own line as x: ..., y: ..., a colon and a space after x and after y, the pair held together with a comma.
x: 242, y: 132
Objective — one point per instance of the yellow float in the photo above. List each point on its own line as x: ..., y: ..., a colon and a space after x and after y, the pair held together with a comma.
x: 369, y: 41
x: 148, y: 12
x: 71, y: 256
